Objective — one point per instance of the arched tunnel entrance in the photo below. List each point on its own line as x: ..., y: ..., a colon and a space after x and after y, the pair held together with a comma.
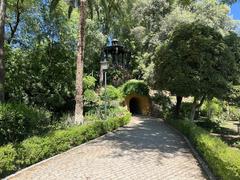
x: 137, y: 104
x: 134, y: 106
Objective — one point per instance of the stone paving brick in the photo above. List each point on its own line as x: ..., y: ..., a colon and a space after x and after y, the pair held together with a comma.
x: 146, y: 149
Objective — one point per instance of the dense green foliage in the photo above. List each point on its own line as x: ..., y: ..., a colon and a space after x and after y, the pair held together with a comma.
x: 223, y: 160
x: 18, y: 121
x: 45, y: 77
x: 89, y: 82
x: 90, y: 97
x: 187, y: 47
x: 157, y: 20
x: 42, y: 54
x: 111, y: 93
x: 8, y: 156
x: 135, y: 86
x: 37, y: 148
x: 183, y: 65
x: 43, y: 49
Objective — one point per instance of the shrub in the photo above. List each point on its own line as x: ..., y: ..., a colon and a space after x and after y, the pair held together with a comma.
x: 35, y: 149
x: 213, y: 109
x: 161, y: 98
x: 89, y: 82
x: 91, y: 117
x: 111, y: 93
x: 222, y: 159
x: 208, y: 124
x: 7, y: 159
x: 40, y: 78
x: 18, y: 121
x: 234, y: 113
x: 91, y: 100
x: 135, y: 86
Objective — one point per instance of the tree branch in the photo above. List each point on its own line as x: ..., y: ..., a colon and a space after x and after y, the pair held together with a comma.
x: 14, y: 28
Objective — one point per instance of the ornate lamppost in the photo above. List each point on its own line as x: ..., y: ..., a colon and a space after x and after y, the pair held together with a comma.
x: 116, y: 56
x: 103, y: 68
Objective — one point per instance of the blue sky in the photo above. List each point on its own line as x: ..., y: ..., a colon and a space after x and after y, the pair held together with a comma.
x: 235, y: 10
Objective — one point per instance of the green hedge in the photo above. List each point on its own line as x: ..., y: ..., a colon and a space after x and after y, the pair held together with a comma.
x: 35, y: 149
x: 135, y: 86
x: 223, y: 160
x: 18, y: 121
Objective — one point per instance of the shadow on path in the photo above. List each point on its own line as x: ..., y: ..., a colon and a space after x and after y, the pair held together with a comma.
x: 148, y: 134
x: 145, y: 149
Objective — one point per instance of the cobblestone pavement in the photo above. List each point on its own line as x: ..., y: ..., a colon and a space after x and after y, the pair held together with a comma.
x: 146, y: 149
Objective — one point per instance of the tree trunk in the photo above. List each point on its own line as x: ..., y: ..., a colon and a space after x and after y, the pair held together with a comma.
x: 79, y: 72
x: 194, y: 106
x: 2, y: 69
x: 202, y: 99
x: 178, y: 105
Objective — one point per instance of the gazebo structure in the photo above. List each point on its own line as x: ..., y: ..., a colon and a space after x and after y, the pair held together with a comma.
x: 114, y: 56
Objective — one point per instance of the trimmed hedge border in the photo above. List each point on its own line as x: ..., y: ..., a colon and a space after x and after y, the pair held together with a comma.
x: 35, y: 149
x: 224, y: 161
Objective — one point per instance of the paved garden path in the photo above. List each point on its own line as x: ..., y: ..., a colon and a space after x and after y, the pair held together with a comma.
x: 146, y: 149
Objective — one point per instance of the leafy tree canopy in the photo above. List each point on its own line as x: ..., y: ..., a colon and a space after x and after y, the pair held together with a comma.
x: 195, y: 62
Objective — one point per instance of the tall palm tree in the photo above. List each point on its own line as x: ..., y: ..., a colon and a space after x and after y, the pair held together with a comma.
x: 2, y: 25
x: 83, y: 5
x: 80, y: 57
x: 80, y: 53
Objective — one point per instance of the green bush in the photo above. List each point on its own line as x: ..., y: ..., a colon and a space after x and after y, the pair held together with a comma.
x: 8, y: 156
x: 90, y: 96
x: 99, y: 114
x: 135, y: 86
x: 111, y: 93
x: 223, y: 160
x: 91, y: 117
x: 163, y: 100
x: 209, y: 125
x: 18, y: 121
x: 43, y: 76
x: 35, y: 149
x: 89, y: 82
x: 233, y: 113
x: 213, y: 109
